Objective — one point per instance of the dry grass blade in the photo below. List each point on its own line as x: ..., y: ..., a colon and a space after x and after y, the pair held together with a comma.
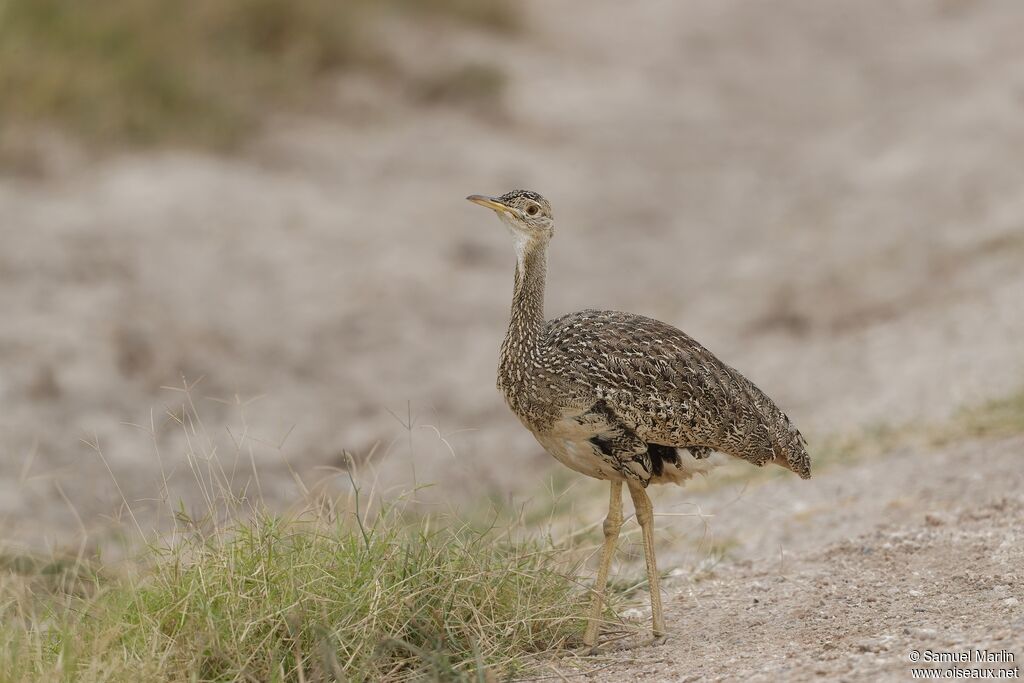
x: 235, y: 593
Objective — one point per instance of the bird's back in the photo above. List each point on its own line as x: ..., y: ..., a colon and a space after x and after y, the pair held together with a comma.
x: 667, y: 389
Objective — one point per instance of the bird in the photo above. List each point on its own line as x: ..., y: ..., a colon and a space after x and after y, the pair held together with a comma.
x: 624, y: 398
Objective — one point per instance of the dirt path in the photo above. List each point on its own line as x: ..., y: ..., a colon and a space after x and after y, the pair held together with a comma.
x: 844, y: 576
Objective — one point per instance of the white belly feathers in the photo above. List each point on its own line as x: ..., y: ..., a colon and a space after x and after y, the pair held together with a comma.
x: 569, y: 442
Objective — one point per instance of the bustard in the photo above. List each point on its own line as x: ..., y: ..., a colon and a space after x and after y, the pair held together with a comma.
x: 624, y: 398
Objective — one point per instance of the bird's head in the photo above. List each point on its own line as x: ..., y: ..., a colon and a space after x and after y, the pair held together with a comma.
x: 526, y: 213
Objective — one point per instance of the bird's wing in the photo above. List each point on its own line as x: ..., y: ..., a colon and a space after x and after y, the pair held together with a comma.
x: 670, y: 390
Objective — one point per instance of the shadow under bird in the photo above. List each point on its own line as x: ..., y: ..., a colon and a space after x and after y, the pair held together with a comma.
x: 624, y: 398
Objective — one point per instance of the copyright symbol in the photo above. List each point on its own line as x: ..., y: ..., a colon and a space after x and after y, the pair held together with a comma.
x: 915, y: 656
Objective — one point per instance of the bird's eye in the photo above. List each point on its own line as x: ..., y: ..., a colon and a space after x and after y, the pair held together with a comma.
x: 532, y: 209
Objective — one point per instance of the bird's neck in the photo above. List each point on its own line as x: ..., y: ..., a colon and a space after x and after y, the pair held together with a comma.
x: 527, y: 317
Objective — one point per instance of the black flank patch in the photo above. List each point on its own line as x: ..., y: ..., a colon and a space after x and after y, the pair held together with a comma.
x: 604, y: 445
x: 659, y: 456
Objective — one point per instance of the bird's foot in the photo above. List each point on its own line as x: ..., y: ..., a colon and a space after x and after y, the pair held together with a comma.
x: 658, y: 641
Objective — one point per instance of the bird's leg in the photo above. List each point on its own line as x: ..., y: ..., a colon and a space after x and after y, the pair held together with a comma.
x: 612, y: 524
x: 645, y: 516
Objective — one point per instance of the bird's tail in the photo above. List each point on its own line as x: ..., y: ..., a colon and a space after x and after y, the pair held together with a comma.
x: 783, y: 443
x: 791, y: 451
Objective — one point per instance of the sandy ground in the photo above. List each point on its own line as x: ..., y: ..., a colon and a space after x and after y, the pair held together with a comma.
x: 842, y: 577
x: 826, y: 194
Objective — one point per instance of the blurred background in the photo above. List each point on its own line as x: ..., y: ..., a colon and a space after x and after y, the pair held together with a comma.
x: 261, y: 202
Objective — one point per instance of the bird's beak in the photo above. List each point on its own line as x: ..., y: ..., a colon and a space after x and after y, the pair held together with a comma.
x: 489, y: 202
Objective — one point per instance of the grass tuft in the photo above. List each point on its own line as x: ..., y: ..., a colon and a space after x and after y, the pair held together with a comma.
x: 350, y: 589
x: 297, y: 600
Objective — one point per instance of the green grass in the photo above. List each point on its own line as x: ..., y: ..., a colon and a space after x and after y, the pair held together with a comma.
x: 199, y: 72
x: 350, y: 589
x: 270, y: 600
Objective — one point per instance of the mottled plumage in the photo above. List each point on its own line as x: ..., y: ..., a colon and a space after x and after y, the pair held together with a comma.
x: 642, y: 383
x: 622, y: 397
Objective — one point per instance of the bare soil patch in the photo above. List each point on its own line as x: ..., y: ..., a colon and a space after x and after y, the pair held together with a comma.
x: 912, y: 551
